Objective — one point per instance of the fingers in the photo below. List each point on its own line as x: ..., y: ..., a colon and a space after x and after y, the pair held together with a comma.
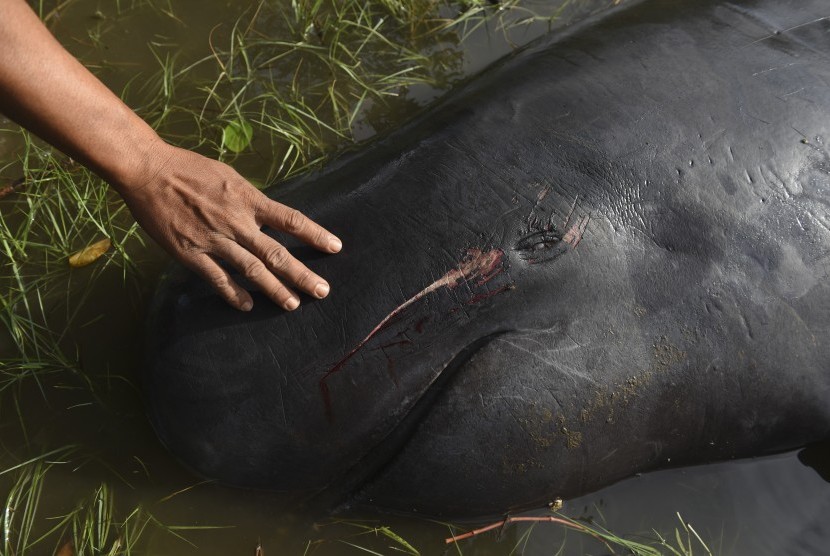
x: 261, y: 260
x: 259, y: 265
x: 222, y: 282
x: 254, y: 269
x: 279, y: 261
x: 294, y: 222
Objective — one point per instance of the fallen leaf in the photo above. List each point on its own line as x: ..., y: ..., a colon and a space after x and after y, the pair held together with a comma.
x: 89, y: 254
x: 237, y: 135
x: 68, y: 549
x: 7, y: 190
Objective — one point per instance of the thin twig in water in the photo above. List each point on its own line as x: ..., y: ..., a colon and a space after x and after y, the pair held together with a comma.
x: 507, y: 521
x: 7, y: 190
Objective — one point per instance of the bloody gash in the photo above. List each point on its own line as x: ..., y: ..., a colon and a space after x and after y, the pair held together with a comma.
x: 606, y: 255
x: 476, y: 270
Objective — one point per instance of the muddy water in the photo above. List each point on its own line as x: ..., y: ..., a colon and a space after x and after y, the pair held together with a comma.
x: 767, y: 506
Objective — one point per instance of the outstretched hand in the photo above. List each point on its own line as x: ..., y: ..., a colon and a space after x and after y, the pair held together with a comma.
x: 201, y: 210
x: 198, y: 209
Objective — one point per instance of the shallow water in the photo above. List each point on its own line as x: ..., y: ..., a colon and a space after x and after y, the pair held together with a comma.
x: 766, y: 506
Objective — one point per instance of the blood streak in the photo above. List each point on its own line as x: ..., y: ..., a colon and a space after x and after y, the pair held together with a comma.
x: 575, y: 233
x: 487, y: 295
x: 477, y: 268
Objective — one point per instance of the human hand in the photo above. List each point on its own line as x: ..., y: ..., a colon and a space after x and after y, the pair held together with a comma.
x: 201, y: 210
x: 198, y: 209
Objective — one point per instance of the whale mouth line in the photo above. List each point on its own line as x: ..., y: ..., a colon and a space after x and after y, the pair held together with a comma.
x: 382, y: 454
x: 477, y: 268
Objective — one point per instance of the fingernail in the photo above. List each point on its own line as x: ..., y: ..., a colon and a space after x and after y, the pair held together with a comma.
x: 335, y: 244
x: 322, y: 290
x: 247, y: 306
x: 292, y: 304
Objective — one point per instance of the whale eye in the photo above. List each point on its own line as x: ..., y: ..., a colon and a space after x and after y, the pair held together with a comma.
x: 540, y: 246
x: 536, y: 241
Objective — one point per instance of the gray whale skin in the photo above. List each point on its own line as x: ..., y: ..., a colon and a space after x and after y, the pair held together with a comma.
x: 607, y: 255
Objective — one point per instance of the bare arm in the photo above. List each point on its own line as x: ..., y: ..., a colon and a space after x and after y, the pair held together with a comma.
x: 198, y: 209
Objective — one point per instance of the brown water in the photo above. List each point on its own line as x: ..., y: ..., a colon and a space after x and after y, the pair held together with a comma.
x: 766, y: 506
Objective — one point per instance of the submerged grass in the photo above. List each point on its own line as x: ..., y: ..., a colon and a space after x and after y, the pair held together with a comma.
x: 512, y: 535
x: 94, y: 526
x: 58, y: 209
x: 303, y: 94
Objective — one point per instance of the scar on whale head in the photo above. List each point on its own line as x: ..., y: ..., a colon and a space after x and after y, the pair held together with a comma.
x: 476, y: 269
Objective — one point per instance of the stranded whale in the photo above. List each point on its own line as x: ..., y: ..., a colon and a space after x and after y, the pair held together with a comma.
x: 606, y: 255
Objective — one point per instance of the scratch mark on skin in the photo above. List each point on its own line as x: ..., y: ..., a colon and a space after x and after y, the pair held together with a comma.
x: 575, y: 233
x: 547, y: 357
x: 713, y: 137
x: 570, y: 213
x: 818, y: 221
x: 609, y: 454
x: 532, y: 219
x: 282, y: 398
x: 482, y: 296
x: 577, y: 344
x: 282, y: 408
x: 478, y: 267
x: 393, y: 344
x: 776, y: 68
x: 799, y: 132
x: 793, y: 28
x: 782, y: 97
x: 390, y: 368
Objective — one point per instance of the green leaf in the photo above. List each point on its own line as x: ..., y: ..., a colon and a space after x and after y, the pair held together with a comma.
x: 398, y: 539
x: 237, y: 135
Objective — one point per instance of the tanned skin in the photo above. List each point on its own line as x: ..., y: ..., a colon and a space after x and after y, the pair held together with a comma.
x: 199, y: 210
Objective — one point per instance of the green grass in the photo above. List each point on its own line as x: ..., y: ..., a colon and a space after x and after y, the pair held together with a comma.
x: 59, y: 208
x: 93, y: 526
x: 302, y: 90
x: 511, y: 536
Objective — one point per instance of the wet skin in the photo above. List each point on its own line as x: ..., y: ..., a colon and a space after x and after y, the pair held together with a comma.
x: 606, y: 256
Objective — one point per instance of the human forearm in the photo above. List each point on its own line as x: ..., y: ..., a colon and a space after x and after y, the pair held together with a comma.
x: 200, y: 210
x: 48, y: 91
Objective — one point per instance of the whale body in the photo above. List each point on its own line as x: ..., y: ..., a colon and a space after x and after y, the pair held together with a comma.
x: 606, y: 255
